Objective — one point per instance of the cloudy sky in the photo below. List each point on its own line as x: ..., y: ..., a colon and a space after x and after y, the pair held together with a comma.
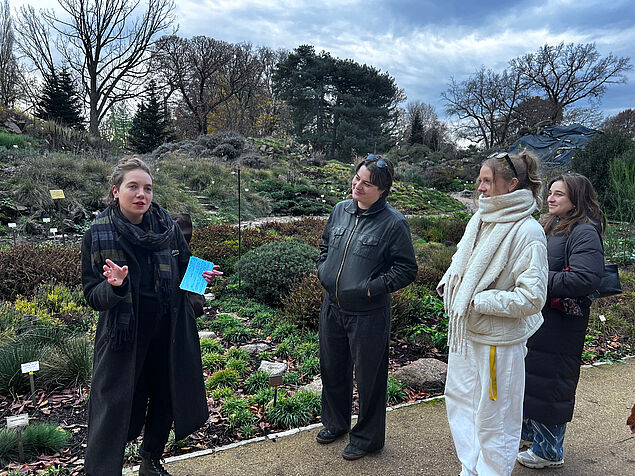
x: 421, y: 43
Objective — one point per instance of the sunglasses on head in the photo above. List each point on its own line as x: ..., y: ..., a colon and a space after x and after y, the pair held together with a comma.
x: 381, y: 163
x: 505, y: 156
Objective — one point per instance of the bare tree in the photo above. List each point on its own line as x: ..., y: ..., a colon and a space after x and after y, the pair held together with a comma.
x: 104, y: 42
x: 623, y: 121
x: 484, y: 104
x: 10, y: 77
x: 569, y: 73
x: 214, y: 80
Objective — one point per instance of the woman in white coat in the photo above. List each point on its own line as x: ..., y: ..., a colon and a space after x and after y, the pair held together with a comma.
x: 493, y: 292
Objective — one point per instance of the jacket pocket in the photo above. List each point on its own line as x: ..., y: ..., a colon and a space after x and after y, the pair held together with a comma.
x: 480, y: 323
x: 367, y: 246
x: 335, y: 240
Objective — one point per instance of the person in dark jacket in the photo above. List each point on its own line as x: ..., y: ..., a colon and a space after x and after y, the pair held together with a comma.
x: 552, y: 366
x: 366, y: 254
x: 147, y: 368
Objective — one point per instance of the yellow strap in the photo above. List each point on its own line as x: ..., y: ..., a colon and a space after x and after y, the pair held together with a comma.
x: 492, y: 372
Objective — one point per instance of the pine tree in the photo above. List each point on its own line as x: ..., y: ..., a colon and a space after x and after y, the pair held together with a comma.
x: 150, y: 125
x: 416, y: 129
x: 60, y: 101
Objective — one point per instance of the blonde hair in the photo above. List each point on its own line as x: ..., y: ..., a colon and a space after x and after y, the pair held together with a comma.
x: 525, y: 170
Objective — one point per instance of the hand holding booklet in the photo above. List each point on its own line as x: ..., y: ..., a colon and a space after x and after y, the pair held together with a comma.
x: 193, y: 280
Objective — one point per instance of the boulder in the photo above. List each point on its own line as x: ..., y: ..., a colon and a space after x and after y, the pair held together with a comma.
x: 208, y: 334
x: 424, y: 375
x: 274, y: 369
x: 254, y: 349
x: 315, y: 386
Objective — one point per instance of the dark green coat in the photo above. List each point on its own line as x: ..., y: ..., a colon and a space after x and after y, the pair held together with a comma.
x: 116, y: 413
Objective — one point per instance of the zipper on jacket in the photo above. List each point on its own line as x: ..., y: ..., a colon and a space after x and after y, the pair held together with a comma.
x: 339, y: 272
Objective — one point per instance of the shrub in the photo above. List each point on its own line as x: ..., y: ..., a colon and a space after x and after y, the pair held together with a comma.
x: 293, y: 410
x: 223, y: 378
x: 414, y: 305
x: 303, y: 303
x: 224, y: 321
x: 37, y: 439
x: 210, y: 345
x: 257, y: 381
x: 23, y: 271
x: 434, y: 255
x: 595, y: 160
x: 395, y: 391
x: 441, y: 229
x: 213, y: 361
x: 622, y: 196
x: 270, y: 271
x: 307, y: 229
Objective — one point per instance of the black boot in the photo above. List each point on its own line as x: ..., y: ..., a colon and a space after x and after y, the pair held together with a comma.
x: 152, y: 467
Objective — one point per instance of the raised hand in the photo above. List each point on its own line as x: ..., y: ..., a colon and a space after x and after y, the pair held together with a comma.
x: 114, y: 273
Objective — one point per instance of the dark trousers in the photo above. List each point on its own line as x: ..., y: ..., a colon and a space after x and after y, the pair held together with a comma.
x: 360, y: 340
x: 153, y: 388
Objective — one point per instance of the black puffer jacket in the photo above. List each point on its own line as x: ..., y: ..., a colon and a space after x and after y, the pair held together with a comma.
x: 552, y: 365
x: 365, y: 250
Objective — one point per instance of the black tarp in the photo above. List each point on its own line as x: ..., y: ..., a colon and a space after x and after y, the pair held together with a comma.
x: 556, y: 144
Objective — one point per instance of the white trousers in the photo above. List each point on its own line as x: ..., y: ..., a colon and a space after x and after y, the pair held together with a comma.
x: 486, y: 432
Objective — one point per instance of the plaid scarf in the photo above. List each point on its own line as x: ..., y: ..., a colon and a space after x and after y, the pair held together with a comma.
x: 155, y: 234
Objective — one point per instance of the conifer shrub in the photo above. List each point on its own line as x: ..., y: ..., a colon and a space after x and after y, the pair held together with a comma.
x: 269, y: 272
x: 302, y: 305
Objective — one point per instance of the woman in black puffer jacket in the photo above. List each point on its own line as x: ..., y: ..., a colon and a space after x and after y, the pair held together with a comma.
x: 552, y: 366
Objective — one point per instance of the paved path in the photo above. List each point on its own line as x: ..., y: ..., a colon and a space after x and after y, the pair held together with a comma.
x: 598, y: 442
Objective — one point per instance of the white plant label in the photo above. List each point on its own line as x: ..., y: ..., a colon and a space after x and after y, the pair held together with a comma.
x: 12, y: 225
x: 18, y: 420
x: 31, y: 367
x: 46, y: 220
x: 53, y: 230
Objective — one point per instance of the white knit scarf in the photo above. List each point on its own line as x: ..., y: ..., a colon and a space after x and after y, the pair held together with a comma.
x: 477, y: 263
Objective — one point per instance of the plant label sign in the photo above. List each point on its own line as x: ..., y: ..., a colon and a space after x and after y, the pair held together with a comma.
x: 46, y: 220
x: 30, y: 367
x: 57, y: 194
x: 18, y: 420
x: 53, y: 230
x: 12, y: 225
x: 275, y: 381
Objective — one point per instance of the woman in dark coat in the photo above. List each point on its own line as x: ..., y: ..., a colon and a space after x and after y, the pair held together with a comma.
x: 147, y: 364
x: 552, y: 366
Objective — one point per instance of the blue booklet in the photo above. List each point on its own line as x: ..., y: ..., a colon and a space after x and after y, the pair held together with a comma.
x: 193, y: 279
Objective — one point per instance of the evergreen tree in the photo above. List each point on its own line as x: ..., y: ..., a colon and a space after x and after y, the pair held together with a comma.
x: 416, y: 129
x: 60, y: 101
x: 150, y: 125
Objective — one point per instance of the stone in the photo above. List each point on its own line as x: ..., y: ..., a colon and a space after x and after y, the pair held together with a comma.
x: 424, y: 375
x: 206, y: 334
x: 315, y: 386
x: 254, y: 349
x: 274, y: 369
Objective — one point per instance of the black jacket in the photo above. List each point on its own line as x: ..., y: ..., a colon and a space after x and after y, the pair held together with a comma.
x: 364, y: 251
x: 552, y: 365
x: 115, y: 371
